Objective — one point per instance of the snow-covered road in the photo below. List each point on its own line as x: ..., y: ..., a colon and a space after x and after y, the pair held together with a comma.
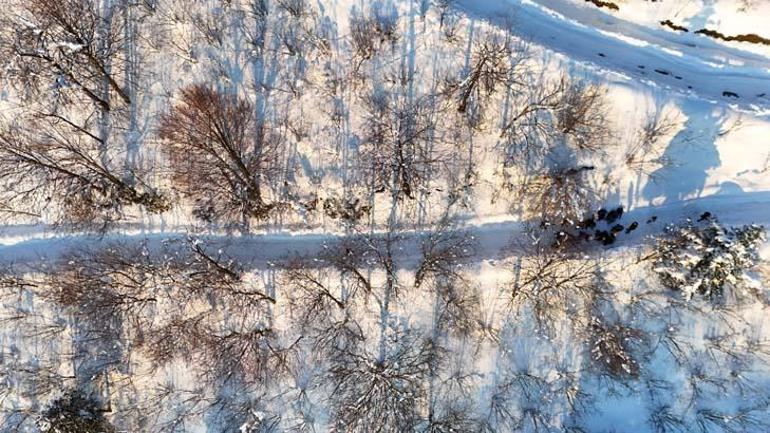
x: 685, y: 63
x: 261, y: 251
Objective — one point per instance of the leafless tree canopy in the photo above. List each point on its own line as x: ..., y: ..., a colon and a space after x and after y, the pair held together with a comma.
x: 379, y: 395
x: 59, y: 157
x: 559, y: 196
x: 67, y: 174
x: 398, y: 155
x: 552, y: 284
x: 372, y: 30
x: 427, y: 187
x: 645, y: 153
x: 210, y: 139
x: 212, y: 314
x: 73, y: 44
x: 581, y: 116
x: 494, y: 61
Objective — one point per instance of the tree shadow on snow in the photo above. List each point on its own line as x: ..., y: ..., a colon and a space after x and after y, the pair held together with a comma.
x: 692, y: 152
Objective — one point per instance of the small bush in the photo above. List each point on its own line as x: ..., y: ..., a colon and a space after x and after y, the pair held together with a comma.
x: 350, y: 210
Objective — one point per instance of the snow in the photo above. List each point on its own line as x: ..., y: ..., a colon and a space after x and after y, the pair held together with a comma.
x: 67, y: 47
x: 587, y: 34
x: 721, y: 152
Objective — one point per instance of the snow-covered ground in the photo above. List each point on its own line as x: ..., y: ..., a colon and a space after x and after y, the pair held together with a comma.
x: 685, y: 64
x: 706, y: 367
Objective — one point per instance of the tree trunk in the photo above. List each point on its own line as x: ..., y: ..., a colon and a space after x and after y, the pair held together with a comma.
x: 130, y: 84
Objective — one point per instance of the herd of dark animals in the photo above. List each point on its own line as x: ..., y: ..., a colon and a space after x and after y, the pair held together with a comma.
x: 602, y: 227
x: 588, y: 229
x: 609, y: 218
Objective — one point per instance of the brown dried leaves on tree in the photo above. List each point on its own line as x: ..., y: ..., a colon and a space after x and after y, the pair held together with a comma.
x: 217, y: 155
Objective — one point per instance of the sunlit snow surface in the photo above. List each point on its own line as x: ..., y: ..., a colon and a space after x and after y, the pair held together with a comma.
x: 720, y: 151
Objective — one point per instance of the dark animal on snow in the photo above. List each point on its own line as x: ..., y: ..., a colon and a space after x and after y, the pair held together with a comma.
x: 604, y: 237
x: 614, y: 215
x: 587, y: 223
x: 632, y: 227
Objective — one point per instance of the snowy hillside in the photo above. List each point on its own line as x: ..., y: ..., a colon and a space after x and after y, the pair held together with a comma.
x: 384, y: 216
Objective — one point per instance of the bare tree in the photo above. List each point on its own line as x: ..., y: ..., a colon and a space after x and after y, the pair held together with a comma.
x: 353, y: 259
x: 558, y: 196
x: 494, y: 61
x: 60, y: 155
x: 323, y: 298
x: 524, y: 397
x: 549, y: 138
x: 456, y: 315
x: 300, y: 37
x: 72, y: 43
x: 372, y: 29
x: 528, y: 130
x: 129, y: 283
x: 551, y: 284
x: 565, y: 113
x: 379, y: 394
x: 645, y: 154
x: 387, y: 383
x: 448, y: 19
x: 103, y: 284
x: 213, y: 315
x: 456, y: 303
x: 208, y: 137
x: 581, y: 116
x: 45, y: 171
x: 396, y: 156
x: 498, y: 414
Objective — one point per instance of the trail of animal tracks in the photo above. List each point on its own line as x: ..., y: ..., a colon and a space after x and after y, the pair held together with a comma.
x: 692, y: 65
